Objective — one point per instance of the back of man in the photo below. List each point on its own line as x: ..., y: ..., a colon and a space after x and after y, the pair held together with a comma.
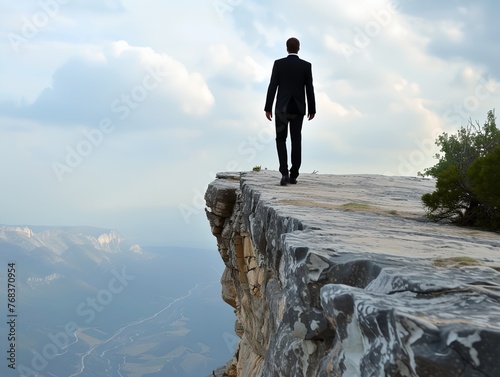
x: 290, y: 76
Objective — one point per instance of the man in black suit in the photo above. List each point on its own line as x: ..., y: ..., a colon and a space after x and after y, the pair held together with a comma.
x: 292, y: 77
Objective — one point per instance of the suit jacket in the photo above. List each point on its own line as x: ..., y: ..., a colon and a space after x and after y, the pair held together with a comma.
x: 292, y: 77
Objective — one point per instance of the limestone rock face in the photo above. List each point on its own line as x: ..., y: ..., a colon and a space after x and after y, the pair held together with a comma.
x: 343, y: 276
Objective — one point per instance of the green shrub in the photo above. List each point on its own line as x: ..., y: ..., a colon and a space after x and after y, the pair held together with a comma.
x: 484, y: 174
x: 467, y: 177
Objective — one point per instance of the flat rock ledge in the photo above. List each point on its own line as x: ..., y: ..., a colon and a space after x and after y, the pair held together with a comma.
x: 342, y: 275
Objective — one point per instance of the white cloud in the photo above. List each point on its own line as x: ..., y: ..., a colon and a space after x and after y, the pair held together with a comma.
x: 273, y: 35
x: 116, y: 81
x: 331, y: 43
x: 332, y: 109
x: 220, y: 55
x: 453, y: 30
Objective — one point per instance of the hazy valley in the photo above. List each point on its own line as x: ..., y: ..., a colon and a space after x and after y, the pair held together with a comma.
x: 90, y: 303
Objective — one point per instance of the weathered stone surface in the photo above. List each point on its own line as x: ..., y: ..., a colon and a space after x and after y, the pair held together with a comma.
x: 343, y: 276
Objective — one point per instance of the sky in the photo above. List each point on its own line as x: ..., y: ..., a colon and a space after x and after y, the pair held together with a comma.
x: 119, y: 113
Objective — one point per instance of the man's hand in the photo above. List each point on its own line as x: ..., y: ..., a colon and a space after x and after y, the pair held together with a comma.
x: 269, y: 115
x: 311, y: 116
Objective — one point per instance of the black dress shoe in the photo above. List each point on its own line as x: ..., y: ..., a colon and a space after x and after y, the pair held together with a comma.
x: 292, y: 180
x: 284, y: 180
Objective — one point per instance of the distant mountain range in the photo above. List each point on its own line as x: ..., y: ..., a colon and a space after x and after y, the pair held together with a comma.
x: 59, y: 239
x: 52, y: 253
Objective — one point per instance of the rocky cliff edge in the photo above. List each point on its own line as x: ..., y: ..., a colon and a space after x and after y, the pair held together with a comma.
x: 343, y: 276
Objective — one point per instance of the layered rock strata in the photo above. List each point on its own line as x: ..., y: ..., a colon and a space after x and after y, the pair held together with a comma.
x: 343, y: 276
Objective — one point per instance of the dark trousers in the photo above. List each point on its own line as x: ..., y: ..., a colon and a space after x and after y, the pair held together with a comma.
x: 283, y: 120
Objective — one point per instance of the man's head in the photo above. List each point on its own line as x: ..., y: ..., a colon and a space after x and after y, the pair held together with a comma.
x: 292, y: 45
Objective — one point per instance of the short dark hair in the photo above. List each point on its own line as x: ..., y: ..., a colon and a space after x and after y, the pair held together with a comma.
x: 292, y: 45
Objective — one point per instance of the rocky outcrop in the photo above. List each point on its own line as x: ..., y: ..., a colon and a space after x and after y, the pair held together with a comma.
x: 343, y: 276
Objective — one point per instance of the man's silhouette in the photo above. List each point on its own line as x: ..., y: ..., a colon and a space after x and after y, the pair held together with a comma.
x: 292, y: 77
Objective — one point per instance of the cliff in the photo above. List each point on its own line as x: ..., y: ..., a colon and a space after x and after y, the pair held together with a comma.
x: 343, y: 276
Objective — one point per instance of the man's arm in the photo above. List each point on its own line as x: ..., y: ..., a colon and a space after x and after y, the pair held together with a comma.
x: 271, y: 92
x: 311, y: 101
